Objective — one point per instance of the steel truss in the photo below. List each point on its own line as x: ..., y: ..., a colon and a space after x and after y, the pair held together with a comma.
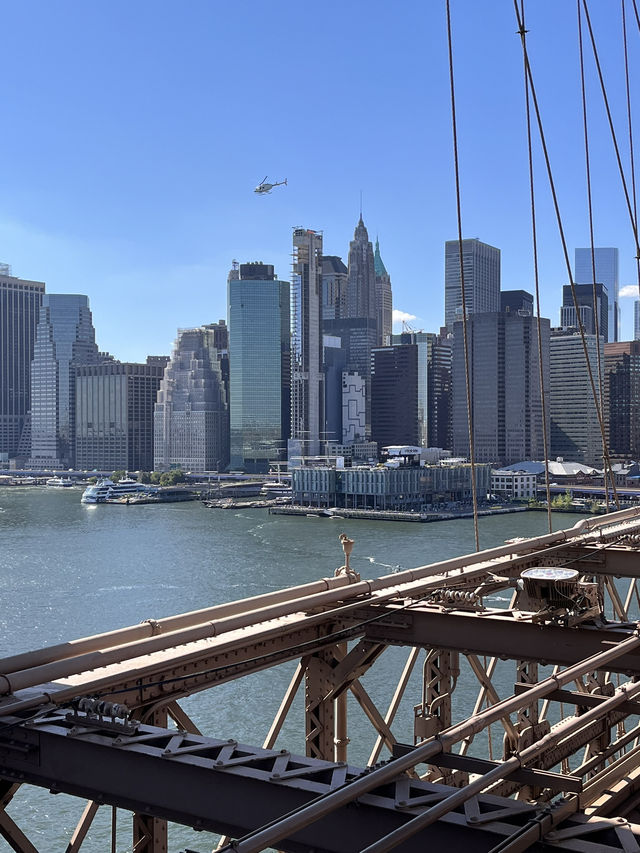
x: 555, y: 763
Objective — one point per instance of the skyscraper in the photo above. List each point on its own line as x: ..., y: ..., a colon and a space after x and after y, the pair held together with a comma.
x: 65, y: 339
x: 307, y: 377
x: 505, y: 387
x: 334, y: 288
x: 606, y: 269
x: 575, y: 431
x: 394, y: 395
x: 191, y: 417
x: 584, y: 295
x: 259, y: 367
x: 636, y: 320
x: 481, y: 268
x: 361, y: 289
x: 384, y: 299
x: 19, y: 308
x: 423, y: 341
x: 114, y: 415
x: 622, y: 398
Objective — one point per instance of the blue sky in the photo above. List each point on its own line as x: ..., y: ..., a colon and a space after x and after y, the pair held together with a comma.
x: 133, y: 135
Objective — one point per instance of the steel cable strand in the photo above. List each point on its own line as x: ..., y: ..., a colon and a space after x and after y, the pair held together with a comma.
x: 608, y: 473
x: 534, y: 238
x: 563, y: 240
x: 465, y: 337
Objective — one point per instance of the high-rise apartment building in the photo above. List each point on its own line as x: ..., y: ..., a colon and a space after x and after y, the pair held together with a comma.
x: 353, y: 408
x: 19, y: 308
x: 589, y: 313
x: 439, y: 391
x: 622, y: 398
x: 636, y: 320
x: 65, y: 340
x: 191, y: 416
x: 481, y: 270
x: 505, y: 387
x: 334, y: 366
x: 260, y: 367
x: 114, y: 415
x: 606, y: 273
x: 307, y: 377
x: 424, y: 342
x: 575, y: 432
x: 384, y: 299
x: 394, y: 395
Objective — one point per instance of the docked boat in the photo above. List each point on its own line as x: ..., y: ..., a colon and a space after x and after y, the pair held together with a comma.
x: 59, y: 482
x: 105, y: 490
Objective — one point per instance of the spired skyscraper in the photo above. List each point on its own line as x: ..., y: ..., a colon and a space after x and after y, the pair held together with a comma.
x: 606, y: 268
x: 259, y: 367
x: 307, y: 376
x: 19, y: 308
x: 65, y: 339
x: 384, y: 299
x: 481, y: 268
x: 191, y: 417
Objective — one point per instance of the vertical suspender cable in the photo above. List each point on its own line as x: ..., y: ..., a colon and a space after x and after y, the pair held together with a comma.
x: 608, y: 473
x: 534, y: 235
x: 464, y: 305
x: 630, y: 125
x: 563, y: 240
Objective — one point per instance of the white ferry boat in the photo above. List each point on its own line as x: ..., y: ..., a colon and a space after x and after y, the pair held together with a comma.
x: 106, y: 490
x: 59, y: 482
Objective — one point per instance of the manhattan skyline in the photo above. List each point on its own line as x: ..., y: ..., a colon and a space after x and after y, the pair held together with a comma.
x: 130, y: 153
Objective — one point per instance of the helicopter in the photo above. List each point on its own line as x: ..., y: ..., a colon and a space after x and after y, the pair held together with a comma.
x: 264, y: 187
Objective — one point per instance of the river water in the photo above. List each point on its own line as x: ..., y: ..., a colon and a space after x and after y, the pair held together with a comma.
x: 69, y: 570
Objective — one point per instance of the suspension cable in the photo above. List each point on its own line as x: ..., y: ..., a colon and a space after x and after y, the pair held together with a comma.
x: 534, y: 235
x: 563, y: 241
x: 608, y: 474
x: 629, y: 123
x: 634, y: 224
x: 470, y: 418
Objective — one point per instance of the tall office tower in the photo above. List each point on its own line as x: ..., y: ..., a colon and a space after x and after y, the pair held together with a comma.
x: 361, y: 289
x: 481, y: 267
x: 384, y: 299
x: 575, y: 431
x: 334, y: 288
x: 307, y: 377
x: 505, y: 387
x: 516, y: 300
x: 353, y: 407
x: 424, y: 342
x: 114, y: 415
x: 606, y: 268
x: 636, y: 320
x: 622, y: 398
x: 65, y: 339
x: 584, y: 295
x: 260, y: 367
x: 19, y: 306
x: 439, y: 392
x: 394, y: 395
x: 334, y: 365
x: 191, y: 416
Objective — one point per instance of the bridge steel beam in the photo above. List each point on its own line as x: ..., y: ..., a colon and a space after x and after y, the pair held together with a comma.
x: 499, y: 635
x: 226, y: 787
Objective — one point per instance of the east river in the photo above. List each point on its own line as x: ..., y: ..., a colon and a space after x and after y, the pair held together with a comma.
x: 69, y: 570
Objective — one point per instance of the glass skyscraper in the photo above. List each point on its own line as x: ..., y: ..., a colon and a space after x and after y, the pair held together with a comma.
x: 19, y: 308
x: 606, y: 268
x: 65, y: 338
x: 481, y: 268
x: 259, y: 367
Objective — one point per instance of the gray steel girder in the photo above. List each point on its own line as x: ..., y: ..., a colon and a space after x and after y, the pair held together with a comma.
x: 230, y: 788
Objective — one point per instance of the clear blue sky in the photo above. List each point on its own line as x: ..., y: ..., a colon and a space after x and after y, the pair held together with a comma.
x: 133, y: 134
